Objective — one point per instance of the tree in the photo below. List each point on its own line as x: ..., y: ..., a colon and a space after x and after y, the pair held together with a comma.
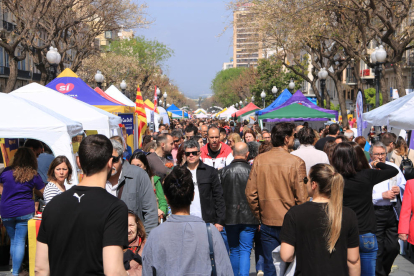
x: 271, y: 72
x: 221, y: 86
x: 137, y: 61
x: 370, y: 96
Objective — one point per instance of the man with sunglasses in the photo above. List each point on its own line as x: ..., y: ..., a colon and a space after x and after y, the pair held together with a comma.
x: 384, y: 197
x: 132, y: 185
x: 208, y: 202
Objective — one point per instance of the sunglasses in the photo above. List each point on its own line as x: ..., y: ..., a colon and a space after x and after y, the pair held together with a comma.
x: 305, y: 180
x: 191, y: 152
x: 115, y: 159
x: 176, y: 141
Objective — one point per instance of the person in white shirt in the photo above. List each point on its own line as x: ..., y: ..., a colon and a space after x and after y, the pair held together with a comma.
x: 59, y: 175
x: 384, y: 197
x: 307, y: 151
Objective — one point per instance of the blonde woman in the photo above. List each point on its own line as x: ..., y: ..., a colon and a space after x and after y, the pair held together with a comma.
x: 322, y: 234
x: 233, y: 139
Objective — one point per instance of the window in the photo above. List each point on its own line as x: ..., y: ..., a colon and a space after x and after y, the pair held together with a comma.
x: 1, y: 56
x: 108, y: 34
x: 7, y: 60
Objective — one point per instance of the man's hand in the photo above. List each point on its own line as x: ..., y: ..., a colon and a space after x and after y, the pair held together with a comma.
x: 396, y: 190
x: 403, y: 237
x: 388, y: 195
x: 219, y: 227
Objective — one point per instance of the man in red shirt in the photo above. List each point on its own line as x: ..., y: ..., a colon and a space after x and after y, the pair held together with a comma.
x: 216, y: 154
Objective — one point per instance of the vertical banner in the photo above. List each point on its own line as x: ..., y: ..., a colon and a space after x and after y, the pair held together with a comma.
x: 8, y: 148
x: 359, y: 110
x: 128, y: 122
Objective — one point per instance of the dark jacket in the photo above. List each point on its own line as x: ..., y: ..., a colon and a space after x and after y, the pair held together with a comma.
x: 233, y: 180
x: 212, y: 204
x: 138, y: 195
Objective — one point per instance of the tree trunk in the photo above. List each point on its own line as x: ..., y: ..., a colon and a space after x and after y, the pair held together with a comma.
x: 342, y: 104
x: 11, y: 82
x: 327, y: 98
x: 385, y: 91
x: 399, y: 79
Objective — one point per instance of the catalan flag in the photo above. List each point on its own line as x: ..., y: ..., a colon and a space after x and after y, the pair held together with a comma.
x: 142, y: 117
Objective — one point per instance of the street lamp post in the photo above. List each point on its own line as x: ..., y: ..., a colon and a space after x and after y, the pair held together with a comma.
x: 123, y: 86
x: 158, y: 96
x: 165, y: 99
x: 99, y: 78
x: 291, y: 85
x: 378, y: 57
x: 263, y: 95
x: 241, y: 103
x: 237, y: 105
x: 252, y: 99
x: 322, y: 75
x: 245, y: 101
x: 274, y: 91
x: 53, y: 57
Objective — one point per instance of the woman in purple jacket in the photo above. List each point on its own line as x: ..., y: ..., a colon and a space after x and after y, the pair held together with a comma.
x: 17, y: 206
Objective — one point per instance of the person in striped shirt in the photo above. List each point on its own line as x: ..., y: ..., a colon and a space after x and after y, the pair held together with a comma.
x: 59, y: 175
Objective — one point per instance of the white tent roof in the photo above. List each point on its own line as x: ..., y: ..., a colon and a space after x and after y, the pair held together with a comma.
x: 382, y: 115
x: 164, y: 115
x: 20, y: 118
x: 228, y: 112
x: 92, y: 118
x: 157, y: 117
x: 200, y: 110
x: 117, y: 95
x: 201, y: 116
x: 403, y: 118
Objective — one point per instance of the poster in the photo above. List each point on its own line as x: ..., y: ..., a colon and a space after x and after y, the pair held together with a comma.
x: 128, y: 122
x: 8, y: 149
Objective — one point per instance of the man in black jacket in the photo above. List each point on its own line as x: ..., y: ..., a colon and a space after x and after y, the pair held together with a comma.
x: 208, y: 200
x: 240, y: 221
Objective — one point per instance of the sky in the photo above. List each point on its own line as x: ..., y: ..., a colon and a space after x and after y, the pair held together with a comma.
x: 192, y: 28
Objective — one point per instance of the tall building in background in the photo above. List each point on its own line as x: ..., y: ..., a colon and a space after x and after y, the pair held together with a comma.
x: 246, y: 46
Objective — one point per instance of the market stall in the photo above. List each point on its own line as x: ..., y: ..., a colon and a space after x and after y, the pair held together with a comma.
x: 92, y: 118
x: 70, y: 84
x: 176, y: 112
x: 228, y: 113
x: 250, y: 107
x: 20, y: 118
x: 299, y: 98
x: 283, y: 97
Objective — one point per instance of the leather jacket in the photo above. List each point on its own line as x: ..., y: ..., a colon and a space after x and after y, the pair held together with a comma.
x: 234, y: 179
x: 275, y: 185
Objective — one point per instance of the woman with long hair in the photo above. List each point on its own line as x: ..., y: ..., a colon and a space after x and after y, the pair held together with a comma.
x: 358, y: 188
x: 401, y: 150
x: 60, y: 171
x: 233, y: 139
x: 362, y: 160
x: 329, y: 148
x: 17, y: 207
x: 180, y: 246
x: 332, y: 246
x: 249, y: 135
x: 139, y: 159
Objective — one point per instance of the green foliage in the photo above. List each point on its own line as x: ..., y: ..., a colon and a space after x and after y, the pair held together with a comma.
x: 146, y: 52
x: 221, y: 85
x: 272, y: 73
x: 370, y: 96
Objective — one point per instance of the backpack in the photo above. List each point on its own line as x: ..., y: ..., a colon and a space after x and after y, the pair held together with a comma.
x: 407, y: 167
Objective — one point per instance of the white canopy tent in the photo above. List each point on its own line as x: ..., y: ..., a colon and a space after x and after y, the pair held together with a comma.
x: 113, y: 92
x: 20, y: 118
x: 92, y: 118
x: 403, y: 118
x: 164, y: 115
x: 227, y: 114
x: 201, y: 116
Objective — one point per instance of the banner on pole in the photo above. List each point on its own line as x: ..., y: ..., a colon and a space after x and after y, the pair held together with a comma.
x: 359, y: 110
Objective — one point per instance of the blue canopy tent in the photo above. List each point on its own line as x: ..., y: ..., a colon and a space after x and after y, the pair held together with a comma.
x: 283, y: 97
x: 176, y: 111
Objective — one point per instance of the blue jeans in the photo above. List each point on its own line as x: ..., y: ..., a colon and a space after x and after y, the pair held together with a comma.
x: 258, y: 251
x: 240, y: 238
x: 368, y: 247
x: 17, y: 230
x: 226, y: 243
x: 270, y: 240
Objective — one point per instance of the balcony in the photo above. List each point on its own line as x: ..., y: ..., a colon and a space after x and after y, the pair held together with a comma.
x: 36, y: 76
x: 24, y: 74
x: 4, y: 70
x: 350, y: 79
x: 8, y: 26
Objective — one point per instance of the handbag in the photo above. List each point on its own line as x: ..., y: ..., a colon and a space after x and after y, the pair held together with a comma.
x: 210, y: 243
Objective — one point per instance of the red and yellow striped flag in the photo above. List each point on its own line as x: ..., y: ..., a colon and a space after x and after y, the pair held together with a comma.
x: 142, y: 117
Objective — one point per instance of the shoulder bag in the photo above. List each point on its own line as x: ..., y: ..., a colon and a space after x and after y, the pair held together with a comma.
x: 210, y: 243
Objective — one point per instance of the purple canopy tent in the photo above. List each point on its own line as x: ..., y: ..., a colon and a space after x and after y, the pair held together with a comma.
x: 299, y: 98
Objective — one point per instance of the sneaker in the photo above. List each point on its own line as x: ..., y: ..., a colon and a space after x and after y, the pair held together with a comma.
x: 260, y: 273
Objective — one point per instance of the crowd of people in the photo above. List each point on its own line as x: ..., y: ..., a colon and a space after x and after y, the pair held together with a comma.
x: 200, y: 196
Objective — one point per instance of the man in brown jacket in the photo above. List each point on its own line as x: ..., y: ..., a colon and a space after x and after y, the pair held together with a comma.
x: 274, y: 186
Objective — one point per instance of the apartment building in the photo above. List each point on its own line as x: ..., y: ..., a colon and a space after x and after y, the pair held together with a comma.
x: 246, y: 48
